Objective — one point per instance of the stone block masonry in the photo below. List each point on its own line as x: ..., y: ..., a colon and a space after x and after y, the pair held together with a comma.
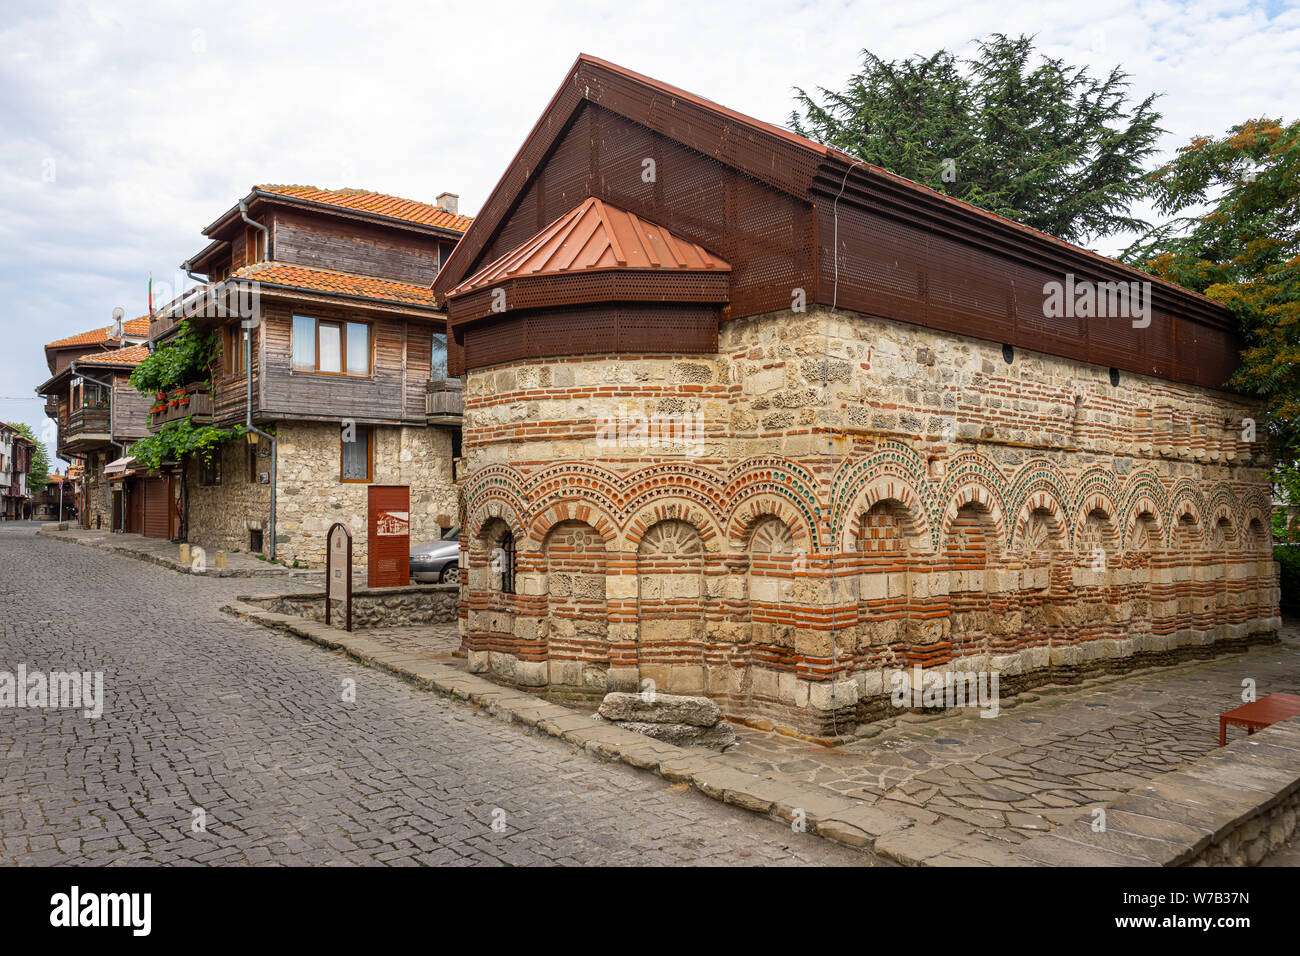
x: 860, y: 496
x: 311, y: 496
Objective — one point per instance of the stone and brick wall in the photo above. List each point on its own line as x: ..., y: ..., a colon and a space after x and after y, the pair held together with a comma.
x: 832, y: 496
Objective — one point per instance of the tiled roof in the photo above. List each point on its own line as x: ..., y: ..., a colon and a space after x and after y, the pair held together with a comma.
x: 134, y: 327
x: 596, y: 236
x: 378, y: 204
x: 285, y: 275
x: 130, y: 356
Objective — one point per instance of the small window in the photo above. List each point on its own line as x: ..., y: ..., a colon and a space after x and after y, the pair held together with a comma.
x: 335, y: 348
x: 456, y: 448
x: 234, y: 348
x: 1114, y: 377
x: 357, y: 456
x: 252, y: 463
x: 506, y: 558
x: 1008, y: 354
x: 438, y: 363
x: 210, y: 469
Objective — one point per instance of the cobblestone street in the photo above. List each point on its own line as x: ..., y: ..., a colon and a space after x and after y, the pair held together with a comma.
x: 206, y: 713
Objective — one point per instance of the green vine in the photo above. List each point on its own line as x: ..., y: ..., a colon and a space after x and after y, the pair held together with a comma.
x: 186, y: 357
x: 177, y: 439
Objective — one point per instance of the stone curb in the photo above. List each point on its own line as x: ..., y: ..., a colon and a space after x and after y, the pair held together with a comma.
x: 176, y: 566
x: 1147, y: 828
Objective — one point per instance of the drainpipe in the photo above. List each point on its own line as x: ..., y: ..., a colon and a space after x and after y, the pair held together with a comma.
x: 243, y: 214
x: 112, y: 430
x: 248, y: 421
x: 248, y: 368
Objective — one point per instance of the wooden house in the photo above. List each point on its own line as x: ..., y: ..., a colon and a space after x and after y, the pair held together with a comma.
x: 99, y: 416
x: 344, y: 365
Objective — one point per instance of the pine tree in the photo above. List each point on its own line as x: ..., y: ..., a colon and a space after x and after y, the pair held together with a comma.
x: 1042, y: 143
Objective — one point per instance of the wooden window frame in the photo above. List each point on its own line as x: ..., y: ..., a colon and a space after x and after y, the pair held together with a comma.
x: 370, y: 457
x: 343, y: 347
x: 234, y: 348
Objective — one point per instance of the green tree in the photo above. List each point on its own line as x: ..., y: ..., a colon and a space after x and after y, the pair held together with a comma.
x: 40, y: 474
x: 1027, y: 137
x: 1234, y: 235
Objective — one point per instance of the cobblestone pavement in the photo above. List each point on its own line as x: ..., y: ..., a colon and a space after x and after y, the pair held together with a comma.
x: 1049, y: 757
x: 204, y: 712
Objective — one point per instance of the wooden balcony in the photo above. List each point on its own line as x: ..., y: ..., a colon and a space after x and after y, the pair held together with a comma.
x: 444, y: 402
x: 87, y: 429
x: 191, y: 401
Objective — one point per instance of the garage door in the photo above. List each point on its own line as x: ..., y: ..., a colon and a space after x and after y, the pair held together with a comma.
x: 157, y: 513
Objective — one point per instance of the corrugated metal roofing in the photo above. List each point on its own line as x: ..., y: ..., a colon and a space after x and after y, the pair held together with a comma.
x: 596, y: 236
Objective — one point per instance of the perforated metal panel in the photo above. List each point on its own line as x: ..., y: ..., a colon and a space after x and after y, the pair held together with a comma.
x: 591, y: 331
x: 763, y: 199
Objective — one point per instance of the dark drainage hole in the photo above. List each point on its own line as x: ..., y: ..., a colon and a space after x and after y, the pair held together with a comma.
x: 1098, y: 705
x: 1030, y: 720
x: 947, y: 740
x: 1149, y: 690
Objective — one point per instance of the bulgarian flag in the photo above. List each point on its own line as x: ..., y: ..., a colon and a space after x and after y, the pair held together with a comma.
x: 151, y: 295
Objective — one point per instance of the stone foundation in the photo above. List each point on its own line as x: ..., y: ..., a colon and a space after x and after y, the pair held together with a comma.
x: 371, y: 607
x: 832, y: 497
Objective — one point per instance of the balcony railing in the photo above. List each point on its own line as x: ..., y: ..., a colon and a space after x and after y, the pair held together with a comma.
x: 86, y: 427
x: 444, y: 402
x: 190, y: 401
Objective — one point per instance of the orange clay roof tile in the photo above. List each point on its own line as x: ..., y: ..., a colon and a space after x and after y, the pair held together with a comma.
x: 378, y: 204
x: 131, y: 356
x: 339, y: 283
x: 134, y: 327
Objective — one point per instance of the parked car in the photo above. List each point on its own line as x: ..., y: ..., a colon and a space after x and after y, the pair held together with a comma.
x: 437, y: 560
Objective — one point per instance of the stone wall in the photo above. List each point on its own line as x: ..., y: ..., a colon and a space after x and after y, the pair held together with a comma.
x: 98, y: 505
x: 371, y: 607
x: 311, y: 497
x: 222, y: 516
x: 835, y: 495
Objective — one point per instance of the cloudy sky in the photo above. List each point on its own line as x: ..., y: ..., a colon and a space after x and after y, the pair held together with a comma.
x: 127, y: 127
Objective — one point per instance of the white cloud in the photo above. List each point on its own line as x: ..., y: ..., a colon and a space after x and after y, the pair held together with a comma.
x: 158, y: 115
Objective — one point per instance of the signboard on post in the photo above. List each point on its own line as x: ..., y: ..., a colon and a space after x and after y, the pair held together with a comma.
x: 338, y: 569
x: 388, y: 550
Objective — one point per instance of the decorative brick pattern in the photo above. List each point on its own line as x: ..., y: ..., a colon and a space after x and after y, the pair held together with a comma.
x: 846, y: 510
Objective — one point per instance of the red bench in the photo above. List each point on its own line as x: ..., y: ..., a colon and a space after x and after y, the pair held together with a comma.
x: 1259, y: 714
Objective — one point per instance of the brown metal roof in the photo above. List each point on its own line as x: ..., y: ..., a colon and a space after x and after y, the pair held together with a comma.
x: 590, y: 237
x: 778, y: 157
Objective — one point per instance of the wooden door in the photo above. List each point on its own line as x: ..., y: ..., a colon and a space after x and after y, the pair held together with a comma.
x: 388, y: 542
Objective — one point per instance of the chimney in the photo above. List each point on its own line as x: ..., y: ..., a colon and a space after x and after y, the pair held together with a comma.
x: 447, y: 202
